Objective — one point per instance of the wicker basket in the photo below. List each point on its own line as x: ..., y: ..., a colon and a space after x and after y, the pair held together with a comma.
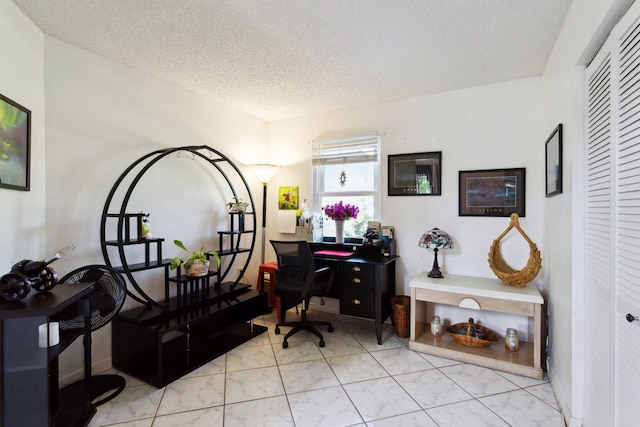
x: 505, y: 272
x: 490, y: 337
x: 400, y: 305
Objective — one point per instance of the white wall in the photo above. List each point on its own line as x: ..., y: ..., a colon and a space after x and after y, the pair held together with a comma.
x: 493, y: 126
x: 22, y: 214
x: 101, y: 117
x: 585, y: 29
x: 488, y: 127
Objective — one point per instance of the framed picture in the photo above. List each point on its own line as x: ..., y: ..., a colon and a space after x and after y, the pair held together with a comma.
x: 416, y: 174
x: 15, y: 142
x: 492, y: 192
x: 288, y: 198
x: 553, y: 162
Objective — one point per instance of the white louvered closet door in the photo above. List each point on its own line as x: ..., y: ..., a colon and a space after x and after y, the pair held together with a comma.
x: 599, y: 244
x: 627, y: 190
x: 612, y: 359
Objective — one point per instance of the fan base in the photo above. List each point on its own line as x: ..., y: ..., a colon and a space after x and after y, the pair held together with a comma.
x: 103, y: 389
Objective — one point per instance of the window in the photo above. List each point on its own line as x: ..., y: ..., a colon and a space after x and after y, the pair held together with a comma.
x: 348, y: 170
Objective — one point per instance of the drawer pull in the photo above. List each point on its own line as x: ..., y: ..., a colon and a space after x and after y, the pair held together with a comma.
x: 355, y: 302
x: 355, y: 280
x: 355, y: 268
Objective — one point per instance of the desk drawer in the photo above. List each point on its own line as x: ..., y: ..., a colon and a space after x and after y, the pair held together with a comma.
x: 357, y: 275
x: 357, y: 302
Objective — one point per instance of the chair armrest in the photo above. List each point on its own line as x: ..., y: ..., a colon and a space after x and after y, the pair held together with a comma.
x: 323, y: 275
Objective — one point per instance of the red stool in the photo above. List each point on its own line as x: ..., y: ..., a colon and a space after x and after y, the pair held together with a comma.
x: 270, y: 269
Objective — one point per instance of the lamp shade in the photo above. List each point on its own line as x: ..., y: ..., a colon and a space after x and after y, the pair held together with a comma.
x: 436, y: 238
x: 264, y: 171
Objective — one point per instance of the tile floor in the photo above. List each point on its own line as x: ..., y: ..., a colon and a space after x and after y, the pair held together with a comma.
x: 352, y: 381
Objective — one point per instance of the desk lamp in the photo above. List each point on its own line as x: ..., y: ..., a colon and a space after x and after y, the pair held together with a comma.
x: 436, y: 239
x: 264, y: 172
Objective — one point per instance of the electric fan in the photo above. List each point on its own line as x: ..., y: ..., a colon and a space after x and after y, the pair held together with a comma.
x: 105, y: 301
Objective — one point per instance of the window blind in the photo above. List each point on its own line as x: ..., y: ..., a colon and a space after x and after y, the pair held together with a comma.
x: 347, y: 150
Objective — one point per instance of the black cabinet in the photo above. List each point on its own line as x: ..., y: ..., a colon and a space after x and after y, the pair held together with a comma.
x: 364, y: 283
x: 29, y: 394
x: 159, y: 346
x: 357, y: 283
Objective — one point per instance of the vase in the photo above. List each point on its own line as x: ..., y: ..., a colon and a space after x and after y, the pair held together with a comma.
x: 239, y: 207
x: 340, y: 231
x: 197, y: 269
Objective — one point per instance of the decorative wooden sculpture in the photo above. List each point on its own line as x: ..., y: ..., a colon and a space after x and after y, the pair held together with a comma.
x: 505, y: 272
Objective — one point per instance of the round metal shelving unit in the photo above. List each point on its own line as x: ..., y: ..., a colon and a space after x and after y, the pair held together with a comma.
x: 128, y: 234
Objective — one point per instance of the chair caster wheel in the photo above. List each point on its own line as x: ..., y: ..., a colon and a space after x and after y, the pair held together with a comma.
x: 285, y: 344
x: 321, y: 344
x: 330, y: 328
x: 277, y: 331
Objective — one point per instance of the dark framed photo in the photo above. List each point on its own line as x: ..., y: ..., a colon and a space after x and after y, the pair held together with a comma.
x: 553, y: 162
x: 415, y: 174
x: 491, y: 192
x: 15, y: 141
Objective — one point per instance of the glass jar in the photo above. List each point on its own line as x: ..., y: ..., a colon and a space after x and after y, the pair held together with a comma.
x: 436, y: 326
x: 511, y: 341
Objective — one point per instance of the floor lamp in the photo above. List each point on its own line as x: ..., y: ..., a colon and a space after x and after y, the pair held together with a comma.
x: 264, y: 173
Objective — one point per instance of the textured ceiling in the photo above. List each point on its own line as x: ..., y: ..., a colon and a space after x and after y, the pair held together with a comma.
x: 279, y: 59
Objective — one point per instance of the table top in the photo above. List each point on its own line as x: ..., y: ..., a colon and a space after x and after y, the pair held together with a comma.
x: 478, y: 286
x: 45, y: 303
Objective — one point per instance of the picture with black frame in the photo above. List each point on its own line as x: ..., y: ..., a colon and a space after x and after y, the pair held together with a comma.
x: 415, y: 174
x: 491, y: 192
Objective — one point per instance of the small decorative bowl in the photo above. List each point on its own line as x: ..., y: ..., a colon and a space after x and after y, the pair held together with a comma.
x: 472, y: 335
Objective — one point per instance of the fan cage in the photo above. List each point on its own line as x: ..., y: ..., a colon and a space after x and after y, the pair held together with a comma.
x: 108, y: 282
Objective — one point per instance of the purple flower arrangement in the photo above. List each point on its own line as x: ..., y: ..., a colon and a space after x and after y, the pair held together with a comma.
x: 340, y: 212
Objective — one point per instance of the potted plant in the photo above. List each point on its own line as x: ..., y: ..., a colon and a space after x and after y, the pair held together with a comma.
x: 237, y: 205
x: 198, y: 263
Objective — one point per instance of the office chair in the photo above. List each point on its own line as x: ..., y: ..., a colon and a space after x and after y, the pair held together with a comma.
x: 297, y: 280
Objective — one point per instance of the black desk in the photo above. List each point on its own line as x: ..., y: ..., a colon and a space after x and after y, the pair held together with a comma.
x: 365, y: 281
x: 29, y: 387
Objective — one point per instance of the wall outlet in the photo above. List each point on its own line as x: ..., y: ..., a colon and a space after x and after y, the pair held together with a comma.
x: 240, y: 272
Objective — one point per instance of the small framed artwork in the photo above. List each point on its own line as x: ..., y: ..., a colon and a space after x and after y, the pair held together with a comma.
x: 416, y: 174
x: 553, y: 162
x: 491, y: 192
x: 288, y: 198
x: 15, y: 145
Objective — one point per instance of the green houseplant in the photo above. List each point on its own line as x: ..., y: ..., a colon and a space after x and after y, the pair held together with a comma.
x: 197, y: 259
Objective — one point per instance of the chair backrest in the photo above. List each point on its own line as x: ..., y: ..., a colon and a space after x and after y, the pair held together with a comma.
x: 294, y: 253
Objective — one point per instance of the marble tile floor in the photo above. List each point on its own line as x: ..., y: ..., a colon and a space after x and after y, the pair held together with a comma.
x: 352, y: 381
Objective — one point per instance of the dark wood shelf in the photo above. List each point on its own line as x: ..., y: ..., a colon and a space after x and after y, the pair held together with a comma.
x: 141, y: 266
x: 158, y: 346
x: 29, y: 387
x: 133, y: 242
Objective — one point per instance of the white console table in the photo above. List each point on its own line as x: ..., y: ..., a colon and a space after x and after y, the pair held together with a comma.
x: 481, y: 294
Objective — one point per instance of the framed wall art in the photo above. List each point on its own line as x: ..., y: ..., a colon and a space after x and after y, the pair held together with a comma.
x: 491, y: 192
x: 416, y: 174
x: 288, y: 198
x: 553, y: 162
x: 15, y: 141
